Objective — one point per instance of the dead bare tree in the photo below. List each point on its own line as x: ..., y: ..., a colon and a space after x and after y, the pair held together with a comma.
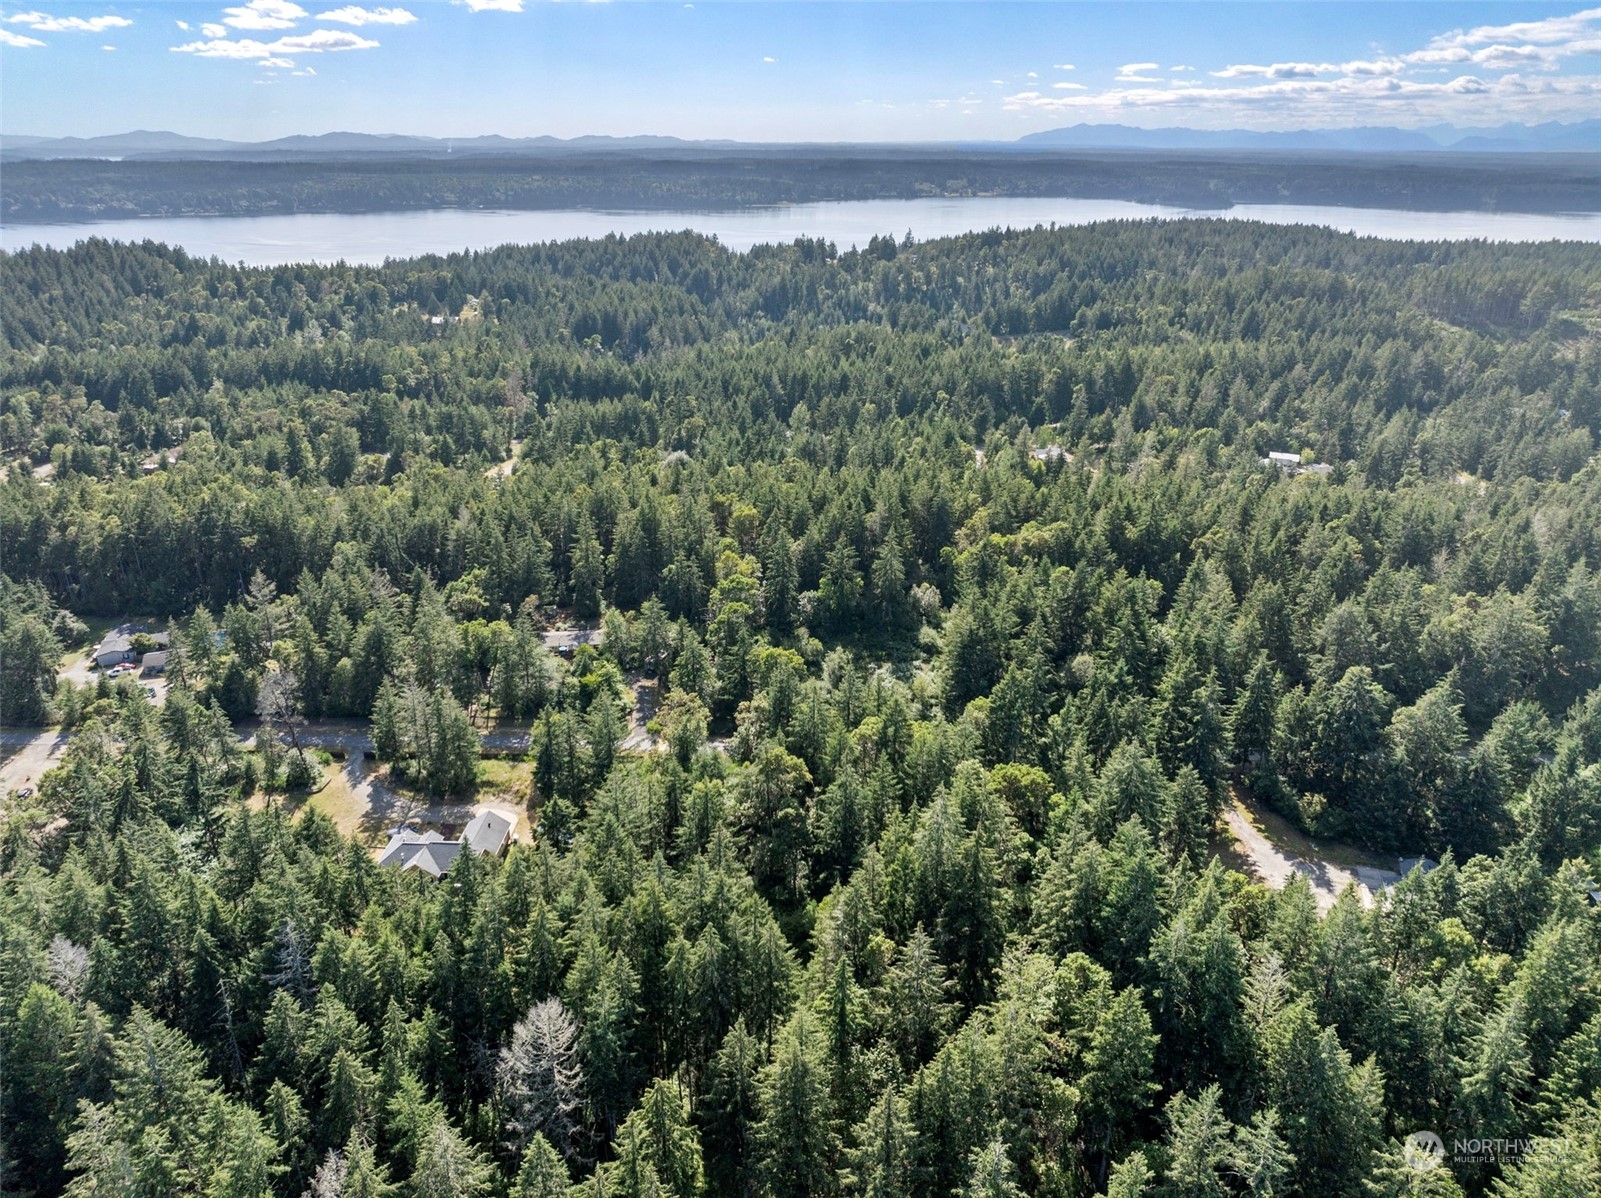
x: 540, y: 1078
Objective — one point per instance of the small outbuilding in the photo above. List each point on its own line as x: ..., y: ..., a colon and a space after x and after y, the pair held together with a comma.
x: 488, y: 833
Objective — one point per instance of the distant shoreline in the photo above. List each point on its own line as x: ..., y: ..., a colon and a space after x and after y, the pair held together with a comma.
x: 69, y: 191
x: 372, y: 238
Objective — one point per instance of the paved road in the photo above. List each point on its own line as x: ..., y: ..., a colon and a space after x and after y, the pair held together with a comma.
x: 25, y: 753
x: 354, y: 736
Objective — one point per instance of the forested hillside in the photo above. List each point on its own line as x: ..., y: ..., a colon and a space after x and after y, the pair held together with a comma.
x: 114, y: 188
x: 971, y: 605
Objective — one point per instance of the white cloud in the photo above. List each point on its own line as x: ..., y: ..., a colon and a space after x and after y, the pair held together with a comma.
x: 307, y: 71
x: 1374, y: 66
x: 44, y: 23
x: 7, y: 38
x: 493, y: 5
x: 354, y: 14
x: 1510, y: 58
x: 1438, y: 54
x: 276, y: 63
x: 1521, y: 44
x: 109, y: 49
x: 1033, y: 74
x: 1478, y: 76
x: 769, y: 58
x: 1311, y: 70
x: 210, y: 30
x: 1277, y: 70
x: 1064, y: 66
x: 1549, y: 31
x: 184, y: 25
x: 1346, y: 100
x: 320, y: 40
x: 223, y: 48
x: 317, y: 41
x: 264, y: 14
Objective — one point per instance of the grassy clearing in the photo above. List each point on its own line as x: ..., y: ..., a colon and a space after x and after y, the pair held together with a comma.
x: 504, y: 777
x: 339, y: 801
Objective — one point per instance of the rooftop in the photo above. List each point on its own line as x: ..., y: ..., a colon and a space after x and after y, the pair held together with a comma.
x: 487, y: 833
x: 426, y: 851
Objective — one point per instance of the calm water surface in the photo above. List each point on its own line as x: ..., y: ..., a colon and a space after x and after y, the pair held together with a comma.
x: 371, y: 237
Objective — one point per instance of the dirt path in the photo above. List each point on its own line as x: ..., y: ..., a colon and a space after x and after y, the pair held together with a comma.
x: 1271, y: 854
x: 647, y: 693
x: 504, y: 469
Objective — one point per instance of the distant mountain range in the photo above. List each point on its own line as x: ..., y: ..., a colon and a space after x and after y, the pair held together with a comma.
x: 1551, y: 137
x: 145, y: 145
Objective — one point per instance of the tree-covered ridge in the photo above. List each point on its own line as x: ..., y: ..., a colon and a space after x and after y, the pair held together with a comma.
x: 965, y: 555
x: 748, y: 176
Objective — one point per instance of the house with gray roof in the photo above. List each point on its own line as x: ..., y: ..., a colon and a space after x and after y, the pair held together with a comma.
x: 487, y: 834
x: 116, y: 647
x: 428, y: 852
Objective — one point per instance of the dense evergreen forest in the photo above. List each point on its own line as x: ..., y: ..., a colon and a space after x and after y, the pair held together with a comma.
x: 80, y: 190
x: 971, y: 604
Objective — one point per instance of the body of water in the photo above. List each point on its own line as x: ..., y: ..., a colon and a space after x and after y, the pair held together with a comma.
x: 371, y: 237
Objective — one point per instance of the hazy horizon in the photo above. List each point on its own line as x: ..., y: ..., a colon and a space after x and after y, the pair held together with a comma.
x: 787, y: 73
x: 650, y: 135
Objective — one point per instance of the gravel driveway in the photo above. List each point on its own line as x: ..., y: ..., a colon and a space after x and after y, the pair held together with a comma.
x: 1274, y: 866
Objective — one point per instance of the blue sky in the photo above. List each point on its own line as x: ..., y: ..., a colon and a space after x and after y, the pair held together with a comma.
x: 885, y: 70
